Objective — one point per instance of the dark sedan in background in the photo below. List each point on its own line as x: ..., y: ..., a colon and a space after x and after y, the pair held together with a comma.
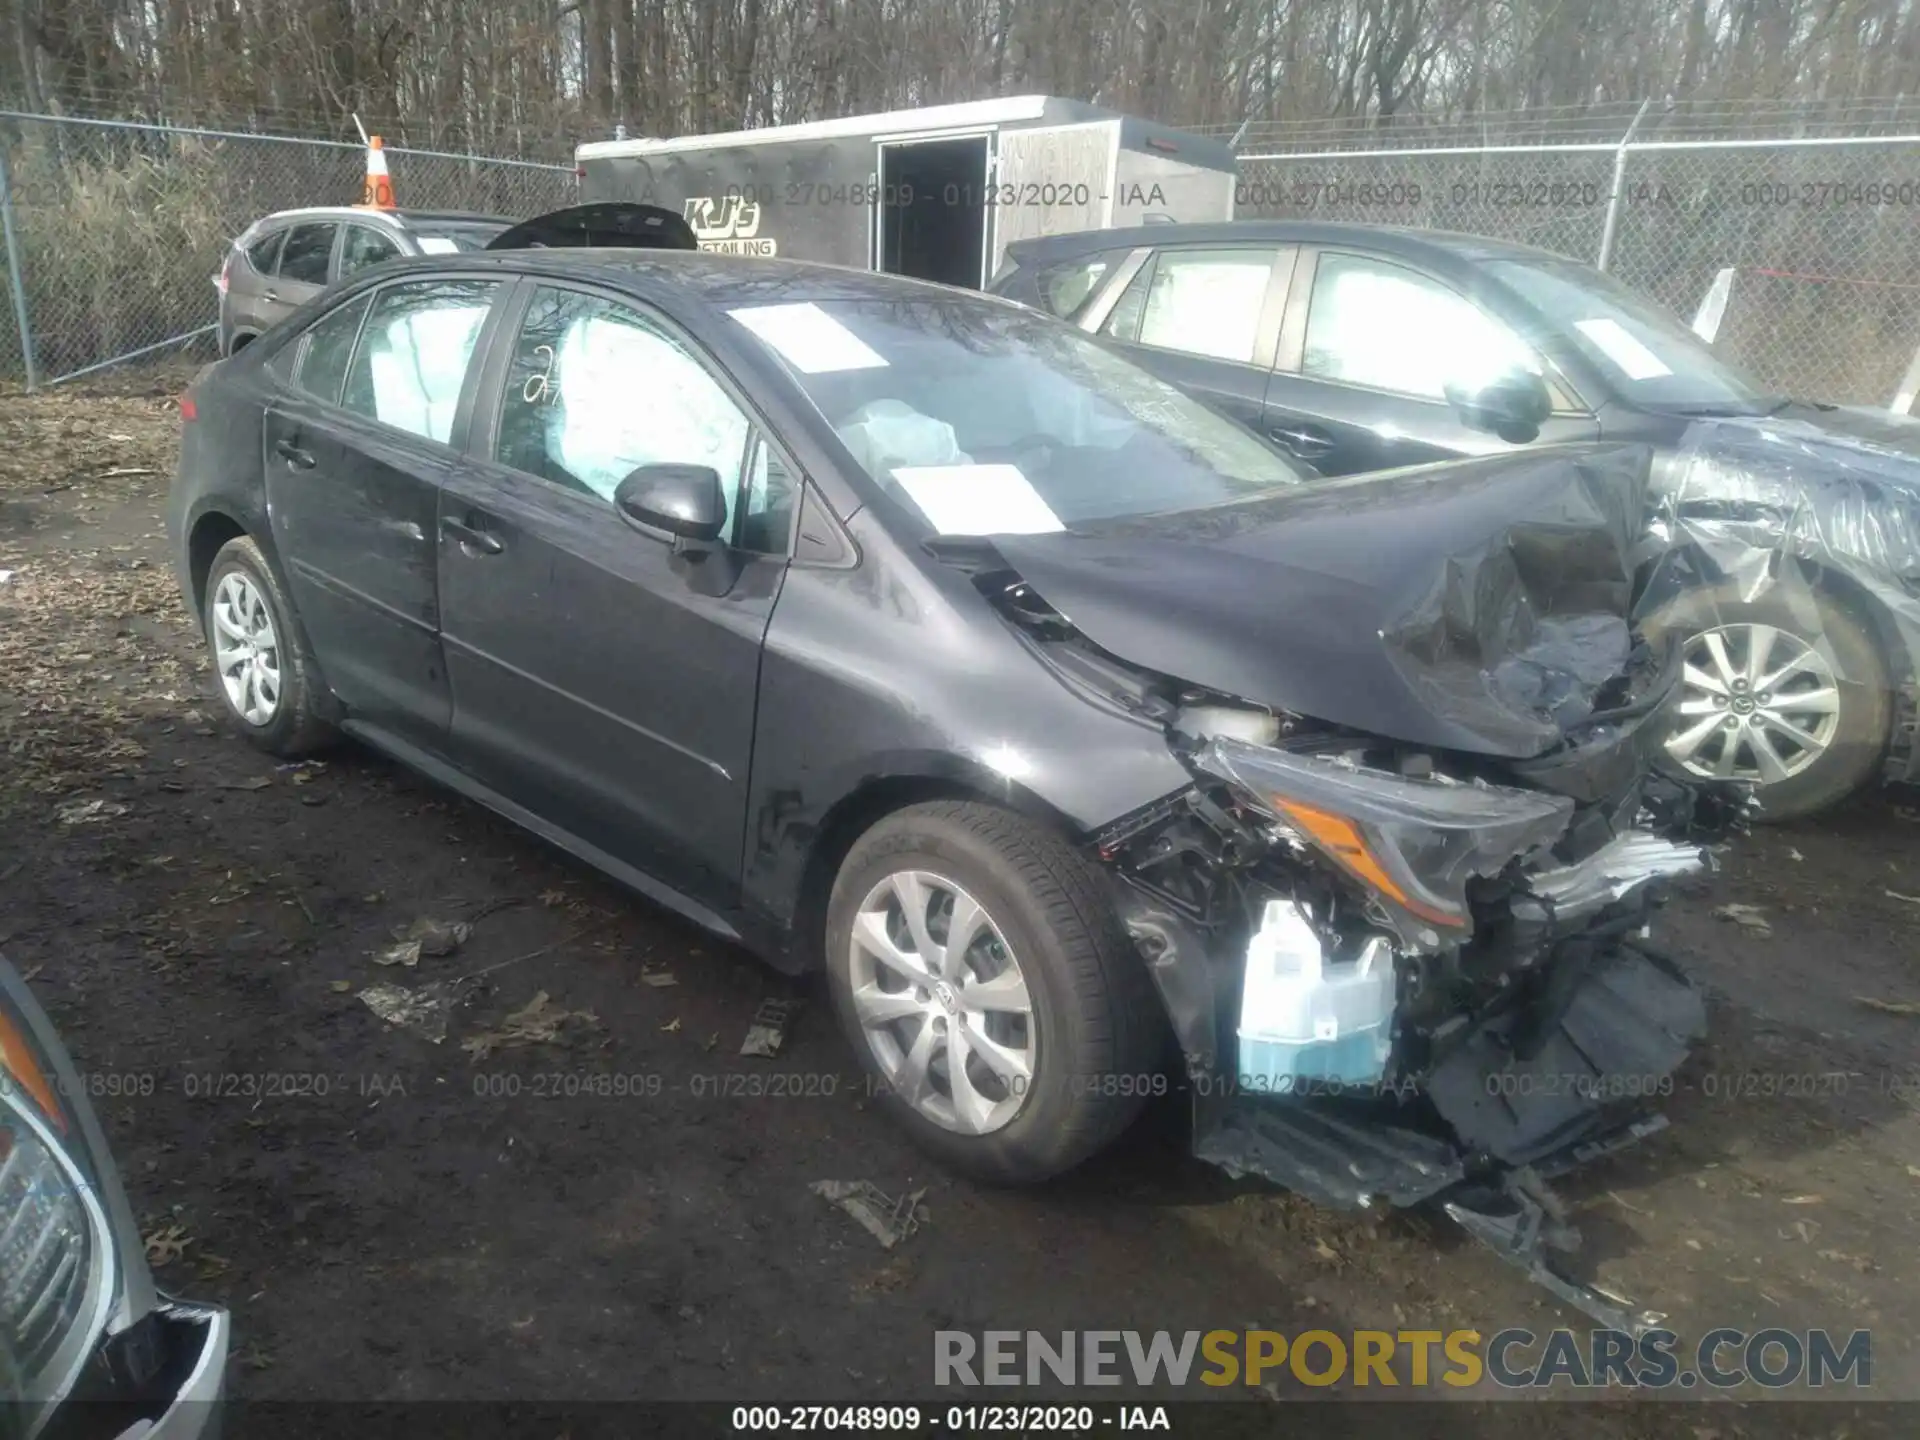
x: 1361, y: 348
x: 88, y: 1347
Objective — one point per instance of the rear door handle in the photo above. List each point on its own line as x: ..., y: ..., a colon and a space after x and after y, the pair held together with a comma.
x: 296, y: 457
x: 1308, y: 442
x: 472, y: 538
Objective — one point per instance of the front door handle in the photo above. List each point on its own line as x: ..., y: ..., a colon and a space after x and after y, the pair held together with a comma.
x: 472, y: 538
x: 296, y: 457
x: 1308, y: 441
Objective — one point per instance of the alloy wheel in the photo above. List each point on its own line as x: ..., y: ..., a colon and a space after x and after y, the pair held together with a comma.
x: 1756, y: 703
x: 246, y: 650
x: 943, y: 1002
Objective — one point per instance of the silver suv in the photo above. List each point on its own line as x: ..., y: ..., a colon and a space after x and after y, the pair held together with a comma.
x: 280, y: 262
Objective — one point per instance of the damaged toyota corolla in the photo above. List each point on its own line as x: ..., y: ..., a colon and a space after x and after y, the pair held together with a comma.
x: 1087, y: 745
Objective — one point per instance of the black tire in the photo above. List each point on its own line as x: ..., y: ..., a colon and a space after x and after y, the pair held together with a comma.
x: 296, y: 727
x: 1821, y: 619
x: 1099, y: 1029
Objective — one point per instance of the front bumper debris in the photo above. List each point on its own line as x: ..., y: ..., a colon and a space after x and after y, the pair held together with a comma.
x: 1518, y: 1099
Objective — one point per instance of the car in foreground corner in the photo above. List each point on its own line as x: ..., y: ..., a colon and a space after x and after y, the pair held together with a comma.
x: 1362, y: 348
x: 283, y: 260
x: 911, y: 635
x: 88, y: 1346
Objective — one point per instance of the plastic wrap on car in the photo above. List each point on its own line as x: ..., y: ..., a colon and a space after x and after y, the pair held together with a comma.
x: 1752, y: 510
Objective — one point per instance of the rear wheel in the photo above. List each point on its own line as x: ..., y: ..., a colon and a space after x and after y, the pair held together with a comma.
x: 262, y: 675
x: 980, y: 971
x: 1787, y: 692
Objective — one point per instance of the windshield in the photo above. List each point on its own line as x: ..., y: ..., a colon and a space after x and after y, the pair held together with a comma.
x: 981, y: 419
x: 1650, y: 358
x: 448, y: 239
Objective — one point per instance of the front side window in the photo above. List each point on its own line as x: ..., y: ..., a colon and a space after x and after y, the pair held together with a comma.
x: 1371, y: 322
x: 595, y: 390
x: 306, y: 254
x: 364, y: 246
x: 329, y: 347
x: 412, y: 358
x: 1646, y: 354
x: 982, y: 420
x: 1206, y: 302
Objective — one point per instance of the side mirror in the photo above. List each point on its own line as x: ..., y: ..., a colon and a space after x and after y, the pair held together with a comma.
x: 1513, y: 405
x: 686, y: 501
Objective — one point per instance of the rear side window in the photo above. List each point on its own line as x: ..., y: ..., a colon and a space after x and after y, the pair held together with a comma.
x: 1207, y: 302
x: 264, y: 253
x: 413, y: 357
x: 1064, y: 288
x: 307, y: 251
x: 329, y: 347
x: 364, y: 246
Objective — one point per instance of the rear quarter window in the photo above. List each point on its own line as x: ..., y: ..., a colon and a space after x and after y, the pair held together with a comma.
x: 264, y: 254
x: 1066, y: 287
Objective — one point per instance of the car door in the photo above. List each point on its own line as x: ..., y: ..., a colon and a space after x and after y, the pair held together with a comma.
x: 1206, y: 318
x: 356, y: 450
x: 306, y: 258
x: 1367, y: 348
x: 605, y: 677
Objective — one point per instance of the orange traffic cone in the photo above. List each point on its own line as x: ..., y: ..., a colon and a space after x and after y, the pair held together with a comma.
x: 378, y: 194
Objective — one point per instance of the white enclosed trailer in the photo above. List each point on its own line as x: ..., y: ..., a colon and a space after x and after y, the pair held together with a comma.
x: 937, y: 192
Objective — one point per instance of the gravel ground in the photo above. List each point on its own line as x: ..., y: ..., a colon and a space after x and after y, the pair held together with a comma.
x: 584, y: 1192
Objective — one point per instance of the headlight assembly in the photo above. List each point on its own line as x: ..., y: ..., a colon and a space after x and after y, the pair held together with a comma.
x: 1413, y: 844
x: 56, y: 1253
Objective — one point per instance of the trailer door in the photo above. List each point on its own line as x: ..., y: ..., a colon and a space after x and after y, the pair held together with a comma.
x: 931, y: 216
x: 1052, y: 180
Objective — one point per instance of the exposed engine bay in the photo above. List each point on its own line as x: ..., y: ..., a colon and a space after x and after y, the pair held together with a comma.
x: 1406, y: 972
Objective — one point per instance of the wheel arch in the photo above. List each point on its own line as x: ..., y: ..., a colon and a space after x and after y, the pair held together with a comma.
x: 211, y: 531
x: 869, y: 802
x: 1699, y: 567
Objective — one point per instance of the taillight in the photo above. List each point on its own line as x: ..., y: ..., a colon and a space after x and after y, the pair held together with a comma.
x: 220, y: 280
x: 188, y: 410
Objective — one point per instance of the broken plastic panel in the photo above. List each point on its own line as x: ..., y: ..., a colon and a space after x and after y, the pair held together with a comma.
x: 1413, y: 844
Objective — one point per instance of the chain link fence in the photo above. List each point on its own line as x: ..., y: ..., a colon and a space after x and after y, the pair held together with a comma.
x: 1821, y: 232
x: 113, y: 231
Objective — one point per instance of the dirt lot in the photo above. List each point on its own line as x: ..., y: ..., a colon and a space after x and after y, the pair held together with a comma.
x: 395, y: 1218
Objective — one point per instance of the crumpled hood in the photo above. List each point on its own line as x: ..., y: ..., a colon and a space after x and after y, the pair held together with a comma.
x: 1476, y: 605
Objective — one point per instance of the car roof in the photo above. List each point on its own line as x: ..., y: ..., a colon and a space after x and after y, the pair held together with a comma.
x: 1406, y: 241
x: 718, y: 280
x: 402, y: 218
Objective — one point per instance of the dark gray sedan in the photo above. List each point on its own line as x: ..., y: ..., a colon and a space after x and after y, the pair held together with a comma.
x: 910, y: 635
x: 1366, y: 347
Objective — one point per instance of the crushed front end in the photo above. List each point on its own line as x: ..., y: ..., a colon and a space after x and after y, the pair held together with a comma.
x: 1402, y: 921
x: 1527, y: 1024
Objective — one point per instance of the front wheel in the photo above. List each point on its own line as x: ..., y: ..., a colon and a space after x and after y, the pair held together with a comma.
x: 1788, y: 692
x: 980, y: 971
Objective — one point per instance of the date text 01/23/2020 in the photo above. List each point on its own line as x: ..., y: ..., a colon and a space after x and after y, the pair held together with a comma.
x: 949, y: 1419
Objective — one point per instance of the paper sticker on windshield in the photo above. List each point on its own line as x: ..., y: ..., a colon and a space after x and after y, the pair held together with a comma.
x: 810, y: 339
x: 977, y: 499
x: 437, y: 245
x: 1618, y: 344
